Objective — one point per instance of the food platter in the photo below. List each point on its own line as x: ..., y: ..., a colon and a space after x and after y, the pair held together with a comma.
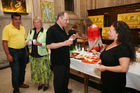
x: 91, y: 60
x: 86, y: 57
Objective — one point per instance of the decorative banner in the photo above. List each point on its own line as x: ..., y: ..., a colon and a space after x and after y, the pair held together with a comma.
x: 105, y: 32
x: 47, y: 12
x: 98, y: 20
x: 132, y: 19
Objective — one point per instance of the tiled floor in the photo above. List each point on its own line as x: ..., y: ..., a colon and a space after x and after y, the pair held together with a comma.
x: 6, y: 86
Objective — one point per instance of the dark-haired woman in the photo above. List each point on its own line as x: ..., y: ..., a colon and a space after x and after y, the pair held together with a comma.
x: 116, y: 59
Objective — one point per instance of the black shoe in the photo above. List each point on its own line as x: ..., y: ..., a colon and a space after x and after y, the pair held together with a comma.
x: 16, y: 92
x: 70, y: 90
x: 24, y: 86
x: 40, y: 87
x: 45, y: 88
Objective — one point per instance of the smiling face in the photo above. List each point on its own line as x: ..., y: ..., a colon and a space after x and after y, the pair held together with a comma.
x: 37, y: 23
x: 113, y: 35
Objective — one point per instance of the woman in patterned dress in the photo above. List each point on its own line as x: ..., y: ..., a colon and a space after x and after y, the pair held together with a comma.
x: 39, y: 57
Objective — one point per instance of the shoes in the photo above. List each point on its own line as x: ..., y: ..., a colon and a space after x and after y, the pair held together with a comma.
x: 16, y: 91
x: 70, y: 90
x: 45, y: 88
x: 24, y: 86
x: 40, y: 87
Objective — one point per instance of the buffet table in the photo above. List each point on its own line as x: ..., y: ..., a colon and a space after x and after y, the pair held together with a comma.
x: 133, y: 75
x: 87, y: 69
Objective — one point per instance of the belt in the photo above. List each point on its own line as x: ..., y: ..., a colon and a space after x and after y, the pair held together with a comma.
x: 17, y: 49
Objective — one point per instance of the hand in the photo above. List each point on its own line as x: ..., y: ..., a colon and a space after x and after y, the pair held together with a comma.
x: 35, y: 42
x: 68, y: 42
x: 89, y: 49
x: 84, y: 36
x: 38, y: 43
x: 9, y: 58
x: 101, y: 67
x: 27, y: 53
x: 72, y: 37
x: 29, y: 43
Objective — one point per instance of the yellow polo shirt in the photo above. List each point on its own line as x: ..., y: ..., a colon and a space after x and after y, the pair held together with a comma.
x: 16, y: 38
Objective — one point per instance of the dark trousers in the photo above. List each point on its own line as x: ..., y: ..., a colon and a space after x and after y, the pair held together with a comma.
x: 61, y: 78
x: 113, y: 85
x: 18, y: 67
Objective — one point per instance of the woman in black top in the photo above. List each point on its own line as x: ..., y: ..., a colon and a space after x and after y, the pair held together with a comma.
x: 116, y: 59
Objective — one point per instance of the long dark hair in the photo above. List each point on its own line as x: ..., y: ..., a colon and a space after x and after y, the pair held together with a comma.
x: 125, y: 37
x: 88, y: 22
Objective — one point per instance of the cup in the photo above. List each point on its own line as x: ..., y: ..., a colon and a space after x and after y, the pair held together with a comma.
x: 70, y: 39
x: 34, y: 41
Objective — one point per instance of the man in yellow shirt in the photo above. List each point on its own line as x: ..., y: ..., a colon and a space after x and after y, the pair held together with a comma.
x: 13, y: 41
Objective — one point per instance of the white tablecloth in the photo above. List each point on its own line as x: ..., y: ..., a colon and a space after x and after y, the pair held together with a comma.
x: 86, y: 68
x: 133, y: 75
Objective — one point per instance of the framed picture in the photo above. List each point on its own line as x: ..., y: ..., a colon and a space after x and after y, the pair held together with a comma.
x: 10, y: 6
x: 132, y: 19
x: 98, y: 20
x: 47, y: 11
x: 105, y: 33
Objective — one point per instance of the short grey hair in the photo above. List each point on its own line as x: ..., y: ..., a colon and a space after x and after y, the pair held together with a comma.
x: 37, y: 18
x: 61, y: 14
